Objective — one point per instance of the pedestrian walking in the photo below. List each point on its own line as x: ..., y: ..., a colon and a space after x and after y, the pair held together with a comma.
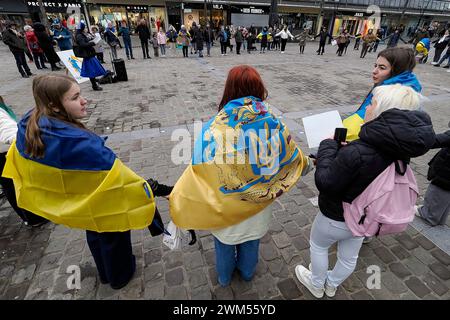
x: 394, y: 39
x: 8, y: 133
x: 144, y: 35
x: 239, y: 222
x: 222, y: 36
x: 393, y: 66
x: 62, y: 35
x: 124, y: 31
x: 99, y: 50
x: 285, y: 34
x: 90, y: 188
x: 239, y: 38
x: 46, y: 43
x: 17, y: 46
x: 263, y: 36
x: 368, y: 41
x: 394, y: 131
x: 436, y: 205
x: 154, y: 42
x: 162, y: 40
x: 34, y: 48
x: 111, y: 39
x: 208, y: 36
x: 445, y: 56
x: 199, y: 38
x: 440, y: 44
x: 323, y: 34
x: 302, y: 37
x: 91, y: 67
x: 184, y: 39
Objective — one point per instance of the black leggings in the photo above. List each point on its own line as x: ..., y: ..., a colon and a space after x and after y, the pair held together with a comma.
x: 185, y: 51
x: 302, y: 48
x: 283, y: 44
x: 113, y: 256
x: 223, y: 47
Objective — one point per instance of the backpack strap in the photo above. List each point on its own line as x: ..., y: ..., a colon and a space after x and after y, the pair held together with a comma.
x: 398, y: 168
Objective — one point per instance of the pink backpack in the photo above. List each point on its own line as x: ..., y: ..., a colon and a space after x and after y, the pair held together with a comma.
x: 386, y: 206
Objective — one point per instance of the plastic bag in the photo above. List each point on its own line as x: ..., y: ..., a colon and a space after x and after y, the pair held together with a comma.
x: 177, y: 238
x: 334, y: 43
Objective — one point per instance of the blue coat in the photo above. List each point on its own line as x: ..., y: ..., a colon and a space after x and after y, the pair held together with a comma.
x: 64, y: 43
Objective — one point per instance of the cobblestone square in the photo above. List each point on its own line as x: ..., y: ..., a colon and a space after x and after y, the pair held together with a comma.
x: 164, y: 94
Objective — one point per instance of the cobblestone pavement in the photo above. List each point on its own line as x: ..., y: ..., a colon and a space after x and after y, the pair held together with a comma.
x: 168, y: 93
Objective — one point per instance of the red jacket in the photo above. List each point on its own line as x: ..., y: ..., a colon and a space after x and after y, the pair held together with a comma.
x: 32, y: 42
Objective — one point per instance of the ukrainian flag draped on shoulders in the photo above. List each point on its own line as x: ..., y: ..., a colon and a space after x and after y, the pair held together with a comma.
x: 354, y: 122
x: 243, y: 160
x: 79, y: 182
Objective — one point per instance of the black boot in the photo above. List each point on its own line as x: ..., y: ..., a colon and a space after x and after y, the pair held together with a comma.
x: 95, y: 85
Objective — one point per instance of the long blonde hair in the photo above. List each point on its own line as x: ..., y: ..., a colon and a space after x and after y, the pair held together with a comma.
x: 48, y: 92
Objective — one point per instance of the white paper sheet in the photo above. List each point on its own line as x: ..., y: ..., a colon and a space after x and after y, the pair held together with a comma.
x: 321, y: 126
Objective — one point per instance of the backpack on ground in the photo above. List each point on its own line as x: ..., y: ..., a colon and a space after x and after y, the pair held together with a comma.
x: 386, y: 206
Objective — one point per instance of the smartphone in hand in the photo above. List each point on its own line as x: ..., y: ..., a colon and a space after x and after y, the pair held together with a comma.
x: 340, y: 135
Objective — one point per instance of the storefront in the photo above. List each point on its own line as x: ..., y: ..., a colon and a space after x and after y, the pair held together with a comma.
x: 69, y: 12
x: 258, y: 16
x: 13, y: 10
x: 157, y: 18
x: 195, y: 12
x: 297, y: 18
x: 354, y: 22
x: 100, y: 14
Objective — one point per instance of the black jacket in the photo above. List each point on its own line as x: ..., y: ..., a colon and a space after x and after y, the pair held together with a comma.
x: 208, y: 35
x: 323, y: 37
x: 439, y: 171
x: 85, y: 47
x: 13, y: 41
x: 45, y: 42
x: 143, y: 31
x: 343, y: 174
x: 443, y: 44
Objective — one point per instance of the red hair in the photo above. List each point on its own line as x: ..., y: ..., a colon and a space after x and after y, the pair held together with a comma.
x: 243, y: 81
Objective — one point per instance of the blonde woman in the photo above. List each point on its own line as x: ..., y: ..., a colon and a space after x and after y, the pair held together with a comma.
x: 394, y: 130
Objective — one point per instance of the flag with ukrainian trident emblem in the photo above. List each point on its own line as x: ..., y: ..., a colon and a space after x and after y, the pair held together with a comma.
x: 243, y: 160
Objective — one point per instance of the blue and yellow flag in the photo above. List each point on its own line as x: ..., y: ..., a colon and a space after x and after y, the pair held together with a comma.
x: 354, y: 122
x: 243, y: 160
x: 79, y: 182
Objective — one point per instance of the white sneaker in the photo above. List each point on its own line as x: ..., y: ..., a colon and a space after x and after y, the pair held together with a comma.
x: 222, y: 54
x: 448, y: 70
x: 330, y: 291
x: 304, y: 276
x: 433, y: 63
x: 416, y: 212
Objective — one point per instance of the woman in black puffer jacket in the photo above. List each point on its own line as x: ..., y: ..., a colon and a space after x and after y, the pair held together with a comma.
x: 46, y: 43
x: 394, y: 130
x: 436, y: 205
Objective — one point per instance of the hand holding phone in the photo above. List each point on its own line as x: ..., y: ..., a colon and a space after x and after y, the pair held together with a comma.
x: 340, y: 135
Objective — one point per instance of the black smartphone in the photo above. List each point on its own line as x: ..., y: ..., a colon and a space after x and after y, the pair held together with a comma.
x: 340, y: 134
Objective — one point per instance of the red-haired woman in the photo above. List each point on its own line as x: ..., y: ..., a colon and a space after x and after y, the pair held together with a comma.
x: 266, y: 163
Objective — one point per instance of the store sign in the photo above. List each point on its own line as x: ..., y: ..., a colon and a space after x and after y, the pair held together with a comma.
x: 137, y: 8
x: 187, y: 10
x: 252, y: 10
x: 54, y: 4
x: 359, y: 14
x: 217, y: 6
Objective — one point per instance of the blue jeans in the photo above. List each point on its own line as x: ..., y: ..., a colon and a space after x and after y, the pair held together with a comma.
x: 243, y: 256
x: 128, y: 48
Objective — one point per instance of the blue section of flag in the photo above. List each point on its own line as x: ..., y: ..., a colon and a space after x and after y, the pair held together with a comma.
x: 406, y: 78
x: 66, y: 146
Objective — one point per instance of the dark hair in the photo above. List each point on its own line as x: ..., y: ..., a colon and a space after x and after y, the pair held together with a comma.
x: 243, y: 81
x: 401, y: 59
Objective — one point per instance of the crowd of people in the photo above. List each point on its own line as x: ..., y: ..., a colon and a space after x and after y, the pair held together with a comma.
x: 39, y: 43
x: 92, y: 189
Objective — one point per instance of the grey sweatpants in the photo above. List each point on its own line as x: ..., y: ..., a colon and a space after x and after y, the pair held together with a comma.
x: 436, y: 206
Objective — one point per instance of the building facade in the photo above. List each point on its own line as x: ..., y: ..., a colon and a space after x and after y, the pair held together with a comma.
x: 355, y: 15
